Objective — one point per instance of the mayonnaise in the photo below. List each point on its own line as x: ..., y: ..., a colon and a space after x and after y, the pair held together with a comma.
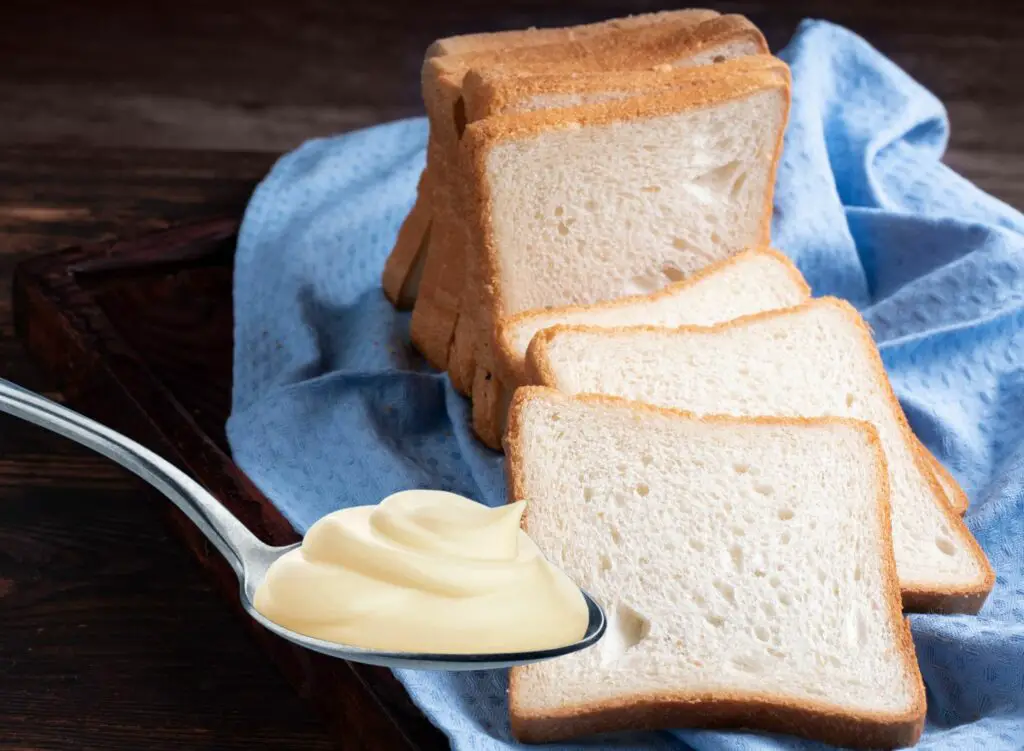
x: 424, y: 571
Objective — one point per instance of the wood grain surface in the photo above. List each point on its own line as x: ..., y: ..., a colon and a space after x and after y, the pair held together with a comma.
x: 116, y: 118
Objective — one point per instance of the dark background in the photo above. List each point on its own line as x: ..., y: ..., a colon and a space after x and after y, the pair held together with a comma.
x: 119, y: 117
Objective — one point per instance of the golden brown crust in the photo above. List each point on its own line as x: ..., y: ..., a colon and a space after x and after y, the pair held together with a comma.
x: 967, y: 598
x: 724, y: 709
x: 461, y: 362
x: 512, y: 369
x: 481, y: 136
x: 497, y: 91
x: 643, y: 46
x: 955, y: 495
x: 407, y: 254
x: 506, y: 40
x: 489, y: 407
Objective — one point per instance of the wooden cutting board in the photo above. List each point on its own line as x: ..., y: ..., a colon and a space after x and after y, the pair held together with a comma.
x: 138, y: 334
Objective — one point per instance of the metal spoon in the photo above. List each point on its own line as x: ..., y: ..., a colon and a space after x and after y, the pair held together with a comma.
x: 249, y: 557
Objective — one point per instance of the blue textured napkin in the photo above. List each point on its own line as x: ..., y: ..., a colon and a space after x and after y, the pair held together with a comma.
x: 332, y: 407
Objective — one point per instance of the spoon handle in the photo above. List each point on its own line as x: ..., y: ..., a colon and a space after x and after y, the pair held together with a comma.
x: 218, y: 524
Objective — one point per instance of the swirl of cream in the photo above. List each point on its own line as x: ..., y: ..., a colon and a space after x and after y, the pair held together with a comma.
x: 424, y: 571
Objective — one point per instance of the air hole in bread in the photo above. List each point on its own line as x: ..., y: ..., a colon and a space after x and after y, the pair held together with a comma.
x: 769, y: 609
x: 741, y: 469
x: 857, y: 574
x: 672, y: 272
x: 643, y: 489
x: 780, y: 335
x: 762, y: 633
x: 563, y: 229
x: 945, y: 546
x: 605, y: 563
x: 616, y: 537
x: 459, y: 116
x: 786, y: 514
x: 737, y: 186
x: 764, y: 489
x: 739, y: 532
x: 696, y: 545
x: 715, y: 620
x: 736, y: 555
x: 785, y: 539
x: 785, y: 599
x: 718, y: 59
x: 726, y: 590
x: 774, y: 581
x: 559, y: 210
x: 590, y: 204
x: 644, y: 560
x: 747, y: 664
x: 647, y: 460
x: 651, y: 189
x: 588, y: 494
x: 850, y: 399
x: 626, y: 629
x: 680, y: 243
x: 821, y: 575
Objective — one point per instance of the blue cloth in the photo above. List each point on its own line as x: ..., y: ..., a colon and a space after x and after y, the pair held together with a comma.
x: 332, y: 408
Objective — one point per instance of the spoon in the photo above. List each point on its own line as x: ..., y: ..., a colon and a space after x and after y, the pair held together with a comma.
x: 249, y: 557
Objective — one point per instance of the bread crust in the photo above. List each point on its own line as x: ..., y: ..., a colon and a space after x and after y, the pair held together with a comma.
x: 967, y: 598
x: 407, y: 254
x: 954, y: 493
x: 483, y: 135
x: 723, y: 709
x: 495, y: 91
x: 470, y: 43
x: 461, y: 362
x: 512, y: 368
x: 490, y: 406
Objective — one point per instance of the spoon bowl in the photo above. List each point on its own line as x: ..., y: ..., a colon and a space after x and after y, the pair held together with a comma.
x: 250, y: 557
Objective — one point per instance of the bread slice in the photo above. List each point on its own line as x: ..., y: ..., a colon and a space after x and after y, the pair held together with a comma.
x: 668, y: 44
x: 404, y: 267
x: 816, y: 359
x: 749, y: 282
x: 712, y: 546
x: 501, y: 91
x: 647, y: 191
x: 497, y: 91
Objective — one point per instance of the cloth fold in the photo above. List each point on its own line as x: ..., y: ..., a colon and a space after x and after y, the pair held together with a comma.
x: 332, y: 408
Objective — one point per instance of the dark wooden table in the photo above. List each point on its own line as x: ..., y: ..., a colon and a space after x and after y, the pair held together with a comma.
x: 117, y: 118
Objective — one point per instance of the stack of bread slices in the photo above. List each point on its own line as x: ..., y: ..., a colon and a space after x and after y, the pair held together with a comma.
x: 714, y: 455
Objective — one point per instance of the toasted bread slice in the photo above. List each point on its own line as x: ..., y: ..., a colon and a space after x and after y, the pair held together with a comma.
x: 444, y: 273
x: 711, y: 543
x: 404, y: 268
x: 817, y: 359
